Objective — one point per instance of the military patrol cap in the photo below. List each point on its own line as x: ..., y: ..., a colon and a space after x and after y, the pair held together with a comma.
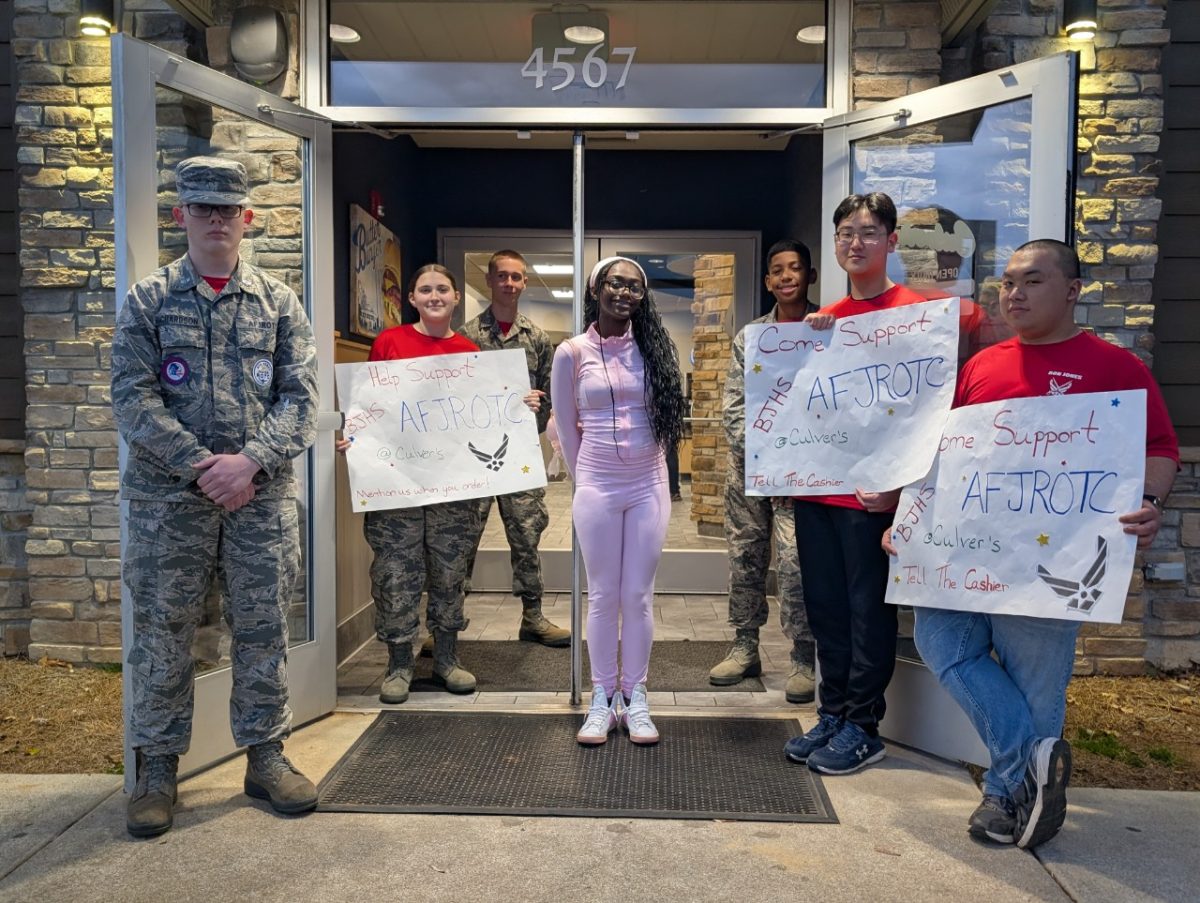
x: 210, y: 180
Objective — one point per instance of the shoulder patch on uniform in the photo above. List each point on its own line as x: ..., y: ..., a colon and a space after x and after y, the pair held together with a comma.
x: 263, y: 371
x: 175, y: 370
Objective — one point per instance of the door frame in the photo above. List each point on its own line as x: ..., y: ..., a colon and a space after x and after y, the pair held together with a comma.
x: 139, y: 69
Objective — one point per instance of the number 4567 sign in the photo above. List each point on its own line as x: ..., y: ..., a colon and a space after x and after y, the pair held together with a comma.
x: 593, y: 67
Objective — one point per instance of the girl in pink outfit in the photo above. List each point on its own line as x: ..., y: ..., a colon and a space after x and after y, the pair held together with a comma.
x: 617, y: 394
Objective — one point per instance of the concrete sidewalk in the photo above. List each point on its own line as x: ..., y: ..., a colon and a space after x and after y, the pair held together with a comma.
x: 902, y: 837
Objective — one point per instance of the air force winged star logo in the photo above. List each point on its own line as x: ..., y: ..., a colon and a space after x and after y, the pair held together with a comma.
x: 493, y: 461
x: 1057, y: 388
x: 1082, y: 594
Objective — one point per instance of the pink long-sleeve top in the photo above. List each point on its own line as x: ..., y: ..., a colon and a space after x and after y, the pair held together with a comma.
x: 598, y: 387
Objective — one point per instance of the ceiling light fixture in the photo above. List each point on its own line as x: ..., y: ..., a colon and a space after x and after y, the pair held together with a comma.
x: 96, y: 18
x: 343, y: 34
x: 554, y: 269
x: 811, y: 34
x: 583, y: 34
x: 565, y: 294
x: 1079, y: 19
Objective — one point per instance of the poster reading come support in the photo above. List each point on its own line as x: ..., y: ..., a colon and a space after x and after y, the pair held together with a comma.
x: 857, y: 406
x: 436, y: 429
x: 1019, y: 513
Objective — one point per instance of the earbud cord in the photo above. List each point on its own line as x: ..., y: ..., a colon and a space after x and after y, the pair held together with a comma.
x: 612, y: 395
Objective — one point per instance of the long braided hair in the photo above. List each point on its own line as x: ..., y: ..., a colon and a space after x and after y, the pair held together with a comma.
x: 664, y: 381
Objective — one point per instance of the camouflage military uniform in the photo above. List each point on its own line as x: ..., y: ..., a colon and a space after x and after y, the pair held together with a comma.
x: 198, y: 372
x: 420, y: 548
x: 750, y: 522
x: 524, y: 513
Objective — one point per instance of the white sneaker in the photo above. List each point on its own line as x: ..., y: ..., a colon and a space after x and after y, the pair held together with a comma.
x: 636, y: 718
x: 601, y: 719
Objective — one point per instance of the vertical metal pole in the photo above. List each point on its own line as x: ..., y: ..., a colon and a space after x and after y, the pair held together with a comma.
x: 577, y: 311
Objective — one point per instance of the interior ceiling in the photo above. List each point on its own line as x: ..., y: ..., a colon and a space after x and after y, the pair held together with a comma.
x: 699, y: 31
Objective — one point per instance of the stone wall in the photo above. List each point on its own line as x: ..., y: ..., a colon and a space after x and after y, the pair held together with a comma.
x: 712, y: 338
x: 1116, y: 227
x: 896, y: 49
x: 64, y: 141
x: 14, y: 572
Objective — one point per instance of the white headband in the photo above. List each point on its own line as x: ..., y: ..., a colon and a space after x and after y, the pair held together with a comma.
x: 607, y: 262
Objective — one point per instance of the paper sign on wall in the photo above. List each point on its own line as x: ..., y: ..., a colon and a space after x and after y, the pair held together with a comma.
x: 857, y: 406
x: 436, y: 429
x: 1019, y: 513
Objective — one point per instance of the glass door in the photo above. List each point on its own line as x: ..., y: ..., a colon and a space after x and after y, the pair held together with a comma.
x: 976, y: 168
x: 706, y: 287
x: 166, y: 109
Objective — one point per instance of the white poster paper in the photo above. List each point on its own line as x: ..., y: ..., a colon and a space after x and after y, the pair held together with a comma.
x: 436, y: 429
x: 1019, y: 513
x: 857, y: 406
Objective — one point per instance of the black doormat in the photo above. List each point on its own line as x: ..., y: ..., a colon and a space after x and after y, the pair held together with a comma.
x: 518, y: 764
x: 513, y: 666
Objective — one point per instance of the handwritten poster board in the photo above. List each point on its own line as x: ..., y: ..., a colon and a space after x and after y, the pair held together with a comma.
x: 1019, y: 513
x: 376, y: 293
x: 857, y: 406
x: 436, y: 429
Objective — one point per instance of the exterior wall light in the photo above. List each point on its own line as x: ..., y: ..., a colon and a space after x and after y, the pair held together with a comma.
x: 1079, y: 19
x: 96, y: 18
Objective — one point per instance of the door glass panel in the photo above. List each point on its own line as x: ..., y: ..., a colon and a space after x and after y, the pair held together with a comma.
x: 187, y: 127
x: 499, y: 54
x: 548, y: 301
x: 962, y: 190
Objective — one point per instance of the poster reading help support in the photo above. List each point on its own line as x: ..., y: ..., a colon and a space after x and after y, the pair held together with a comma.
x: 857, y: 406
x: 436, y: 429
x: 1019, y: 513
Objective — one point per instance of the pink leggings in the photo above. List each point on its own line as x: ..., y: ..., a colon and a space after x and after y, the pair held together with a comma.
x: 622, y: 525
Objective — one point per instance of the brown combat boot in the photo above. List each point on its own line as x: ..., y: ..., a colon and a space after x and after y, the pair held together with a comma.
x: 446, y: 669
x: 741, y: 662
x: 536, y: 629
x: 270, y: 776
x: 399, y: 674
x: 151, y: 805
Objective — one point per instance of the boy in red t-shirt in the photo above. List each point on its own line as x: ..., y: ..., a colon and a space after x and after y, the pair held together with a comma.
x: 1009, y: 673
x: 843, y: 570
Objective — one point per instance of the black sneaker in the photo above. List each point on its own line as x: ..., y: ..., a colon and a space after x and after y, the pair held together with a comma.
x: 994, y: 819
x: 1042, y: 800
x: 798, y: 749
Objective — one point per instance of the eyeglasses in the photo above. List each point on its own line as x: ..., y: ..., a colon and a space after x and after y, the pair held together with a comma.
x: 616, y: 286
x: 225, y: 211
x: 866, y: 236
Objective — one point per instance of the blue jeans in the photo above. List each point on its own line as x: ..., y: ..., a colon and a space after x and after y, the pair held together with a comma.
x: 1013, y: 699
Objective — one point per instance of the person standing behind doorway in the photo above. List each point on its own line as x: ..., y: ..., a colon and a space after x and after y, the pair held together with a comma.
x: 843, y: 569
x: 214, y: 391
x: 501, y: 326
x: 750, y: 521
x: 618, y: 397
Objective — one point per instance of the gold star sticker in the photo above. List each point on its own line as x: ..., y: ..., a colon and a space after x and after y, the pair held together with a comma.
x: 525, y: 469
x: 363, y: 501
x: 896, y: 578
x: 1043, y: 539
x: 757, y: 368
x: 891, y: 411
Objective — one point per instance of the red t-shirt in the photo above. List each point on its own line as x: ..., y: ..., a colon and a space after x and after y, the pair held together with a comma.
x: 1080, y: 364
x: 896, y: 296
x: 401, y: 342
x: 217, y: 282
